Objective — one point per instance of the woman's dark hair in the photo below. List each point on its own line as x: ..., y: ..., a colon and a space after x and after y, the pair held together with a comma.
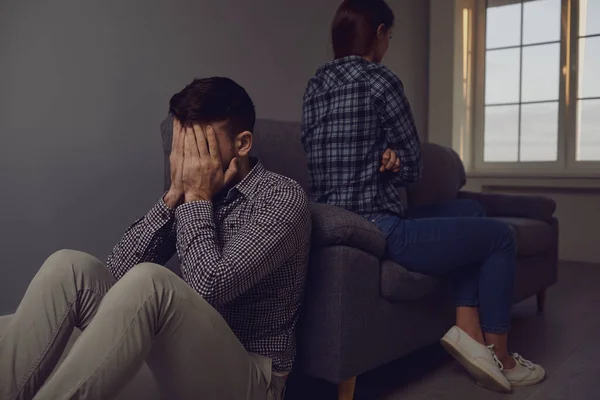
x: 214, y: 100
x: 354, y: 28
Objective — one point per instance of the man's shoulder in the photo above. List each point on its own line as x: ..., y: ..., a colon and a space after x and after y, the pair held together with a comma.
x: 276, y: 182
x: 281, y: 190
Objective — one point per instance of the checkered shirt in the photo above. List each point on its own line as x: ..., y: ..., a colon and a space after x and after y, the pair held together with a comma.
x: 245, y: 254
x: 353, y: 111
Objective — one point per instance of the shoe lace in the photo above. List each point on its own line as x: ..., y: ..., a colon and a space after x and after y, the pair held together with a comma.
x: 492, y: 350
x: 524, y: 362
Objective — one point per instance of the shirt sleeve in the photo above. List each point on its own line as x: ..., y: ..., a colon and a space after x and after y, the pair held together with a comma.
x: 398, y: 124
x: 149, y: 239
x: 279, y: 227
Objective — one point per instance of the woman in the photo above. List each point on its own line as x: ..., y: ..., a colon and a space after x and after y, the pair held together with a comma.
x: 361, y: 142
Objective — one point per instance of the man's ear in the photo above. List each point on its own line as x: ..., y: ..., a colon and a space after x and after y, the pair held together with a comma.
x: 243, y: 143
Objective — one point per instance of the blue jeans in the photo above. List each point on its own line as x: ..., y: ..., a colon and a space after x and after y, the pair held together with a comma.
x: 454, y: 240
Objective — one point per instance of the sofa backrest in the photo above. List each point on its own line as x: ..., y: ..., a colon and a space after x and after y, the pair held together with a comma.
x: 278, y: 145
x: 443, y: 176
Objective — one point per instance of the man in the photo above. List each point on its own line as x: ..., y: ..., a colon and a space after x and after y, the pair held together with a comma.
x: 224, y: 331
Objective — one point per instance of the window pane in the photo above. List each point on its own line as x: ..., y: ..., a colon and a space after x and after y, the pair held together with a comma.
x: 589, y: 17
x: 539, y: 132
x: 541, y: 72
x: 503, y: 26
x: 541, y: 21
x: 588, y: 130
x: 502, y: 76
x: 501, y: 140
x: 589, y: 67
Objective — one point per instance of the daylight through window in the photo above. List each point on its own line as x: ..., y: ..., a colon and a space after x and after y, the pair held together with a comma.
x: 527, y: 115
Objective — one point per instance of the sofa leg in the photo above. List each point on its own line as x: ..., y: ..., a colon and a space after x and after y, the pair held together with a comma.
x: 346, y: 389
x: 541, y: 301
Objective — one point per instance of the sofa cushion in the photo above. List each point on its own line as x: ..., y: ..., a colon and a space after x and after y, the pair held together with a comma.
x: 335, y: 226
x: 532, y: 236
x: 443, y: 176
x: 399, y: 284
x: 507, y: 205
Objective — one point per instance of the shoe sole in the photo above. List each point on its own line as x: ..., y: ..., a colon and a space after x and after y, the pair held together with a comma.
x: 529, y: 383
x: 481, y: 375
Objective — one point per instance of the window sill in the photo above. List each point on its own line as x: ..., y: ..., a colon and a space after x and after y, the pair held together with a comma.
x: 538, y: 181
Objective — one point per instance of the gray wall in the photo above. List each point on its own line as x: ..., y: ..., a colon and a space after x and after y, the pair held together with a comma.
x: 84, y: 85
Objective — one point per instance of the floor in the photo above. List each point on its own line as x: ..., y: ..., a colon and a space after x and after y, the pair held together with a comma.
x: 565, y: 340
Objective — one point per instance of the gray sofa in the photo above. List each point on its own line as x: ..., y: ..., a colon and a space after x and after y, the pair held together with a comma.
x: 362, y: 311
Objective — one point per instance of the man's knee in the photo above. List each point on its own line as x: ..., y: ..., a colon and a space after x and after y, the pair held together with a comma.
x: 73, y: 262
x: 148, y: 276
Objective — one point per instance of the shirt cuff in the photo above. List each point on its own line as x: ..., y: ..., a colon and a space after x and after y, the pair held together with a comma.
x: 160, y: 214
x: 194, y: 211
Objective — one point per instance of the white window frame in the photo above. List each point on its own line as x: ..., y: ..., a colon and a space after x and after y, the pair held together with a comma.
x: 566, y: 164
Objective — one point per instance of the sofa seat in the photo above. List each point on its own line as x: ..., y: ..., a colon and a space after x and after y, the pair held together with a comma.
x: 142, y: 387
x: 533, y: 237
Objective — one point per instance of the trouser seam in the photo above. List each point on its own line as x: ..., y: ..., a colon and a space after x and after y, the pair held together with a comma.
x: 473, y: 303
x: 83, y: 381
x: 36, y: 363
x: 497, y: 330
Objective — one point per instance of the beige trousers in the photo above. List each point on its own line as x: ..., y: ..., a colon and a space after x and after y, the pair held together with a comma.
x: 150, y: 315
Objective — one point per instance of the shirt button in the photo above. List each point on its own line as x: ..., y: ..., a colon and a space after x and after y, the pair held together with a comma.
x: 137, y: 254
x: 164, y: 215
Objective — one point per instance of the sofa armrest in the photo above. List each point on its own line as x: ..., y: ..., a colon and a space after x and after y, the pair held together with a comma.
x: 503, y: 205
x: 336, y: 226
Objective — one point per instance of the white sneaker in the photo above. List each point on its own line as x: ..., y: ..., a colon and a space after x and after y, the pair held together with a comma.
x: 525, y: 373
x: 479, y: 360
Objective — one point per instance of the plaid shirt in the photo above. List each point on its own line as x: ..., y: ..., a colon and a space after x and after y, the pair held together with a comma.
x: 353, y: 111
x: 246, y: 255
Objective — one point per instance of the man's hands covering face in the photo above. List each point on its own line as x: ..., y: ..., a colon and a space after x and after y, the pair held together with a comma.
x: 196, y: 166
x: 203, y: 175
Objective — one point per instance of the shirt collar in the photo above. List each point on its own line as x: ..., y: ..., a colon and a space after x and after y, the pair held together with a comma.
x: 250, y: 184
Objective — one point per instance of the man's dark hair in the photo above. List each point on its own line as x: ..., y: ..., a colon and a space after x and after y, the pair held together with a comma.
x: 354, y: 27
x: 214, y: 100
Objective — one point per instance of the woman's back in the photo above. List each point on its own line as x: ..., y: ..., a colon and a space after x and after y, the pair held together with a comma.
x: 354, y: 110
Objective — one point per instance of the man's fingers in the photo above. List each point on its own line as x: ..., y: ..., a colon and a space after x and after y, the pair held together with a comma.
x: 191, y: 148
x: 201, y: 141
x: 176, y: 135
x: 231, y: 171
x: 213, y: 145
x: 180, y: 137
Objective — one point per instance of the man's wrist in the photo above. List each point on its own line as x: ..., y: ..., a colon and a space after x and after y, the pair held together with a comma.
x: 191, y: 197
x: 173, y: 198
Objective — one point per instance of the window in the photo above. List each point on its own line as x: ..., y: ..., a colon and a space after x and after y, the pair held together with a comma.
x: 588, y: 90
x: 539, y: 104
